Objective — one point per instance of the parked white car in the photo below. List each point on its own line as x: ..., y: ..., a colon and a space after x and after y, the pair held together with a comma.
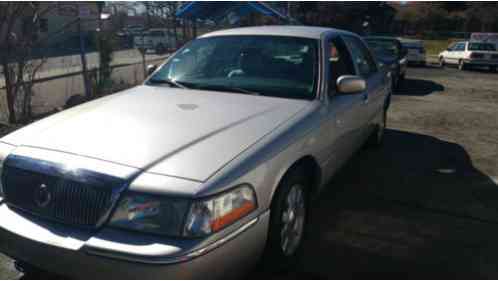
x: 469, y: 53
x: 203, y: 170
x: 155, y: 39
x: 415, y: 51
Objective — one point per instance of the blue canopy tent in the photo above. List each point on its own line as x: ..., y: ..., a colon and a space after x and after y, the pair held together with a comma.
x: 217, y: 11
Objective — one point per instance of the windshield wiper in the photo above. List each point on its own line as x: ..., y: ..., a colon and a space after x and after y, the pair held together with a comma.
x: 228, y: 88
x: 167, y: 81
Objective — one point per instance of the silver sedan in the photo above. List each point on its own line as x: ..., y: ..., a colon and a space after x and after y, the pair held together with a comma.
x: 203, y: 170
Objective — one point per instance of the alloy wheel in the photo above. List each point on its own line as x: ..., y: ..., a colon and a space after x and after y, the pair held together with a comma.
x: 293, y: 218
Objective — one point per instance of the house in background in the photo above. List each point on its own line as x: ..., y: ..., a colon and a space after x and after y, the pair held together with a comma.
x: 59, y: 22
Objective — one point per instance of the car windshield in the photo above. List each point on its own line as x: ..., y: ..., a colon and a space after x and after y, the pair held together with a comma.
x: 275, y: 66
x: 482, y: 47
x: 382, y: 47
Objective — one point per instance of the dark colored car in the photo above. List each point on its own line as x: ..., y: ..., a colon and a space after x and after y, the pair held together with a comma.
x: 391, y: 53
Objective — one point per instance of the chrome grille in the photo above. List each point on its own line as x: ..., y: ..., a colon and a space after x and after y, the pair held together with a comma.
x: 80, y: 198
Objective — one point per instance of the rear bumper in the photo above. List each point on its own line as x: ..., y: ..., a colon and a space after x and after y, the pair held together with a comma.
x: 478, y: 62
x: 232, y: 258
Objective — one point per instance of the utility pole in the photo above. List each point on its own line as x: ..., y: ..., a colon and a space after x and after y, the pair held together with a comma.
x: 86, y: 81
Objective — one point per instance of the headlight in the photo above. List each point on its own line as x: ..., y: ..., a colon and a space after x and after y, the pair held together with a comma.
x: 211, y: 215
x: 181, y: 217
x: 152, y: 214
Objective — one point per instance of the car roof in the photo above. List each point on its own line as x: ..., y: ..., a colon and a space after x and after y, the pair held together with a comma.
x: 279, y: 30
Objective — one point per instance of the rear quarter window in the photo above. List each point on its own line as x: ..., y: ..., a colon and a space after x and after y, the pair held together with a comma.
x: 481, y: 47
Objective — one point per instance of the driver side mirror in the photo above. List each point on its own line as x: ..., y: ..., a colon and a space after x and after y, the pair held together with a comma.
x: 351, y: 84
x: 151, y: 68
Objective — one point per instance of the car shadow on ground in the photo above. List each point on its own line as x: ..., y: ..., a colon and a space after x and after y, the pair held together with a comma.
x: 418, y: 87
x: 414, y: 209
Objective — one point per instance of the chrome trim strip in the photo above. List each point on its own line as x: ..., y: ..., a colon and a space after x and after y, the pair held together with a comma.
x: 56, y: 169
x: 77, y: 162
x: 174, y: 259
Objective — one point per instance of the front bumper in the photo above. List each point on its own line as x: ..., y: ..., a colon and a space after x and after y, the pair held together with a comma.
x: 71, y: 256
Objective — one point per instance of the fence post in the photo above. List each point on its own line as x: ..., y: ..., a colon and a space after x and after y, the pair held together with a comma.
x: 86, y: 82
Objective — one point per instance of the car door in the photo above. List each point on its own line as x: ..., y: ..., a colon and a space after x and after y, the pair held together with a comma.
x: 447, y: 54
x: 457, y: 52
x: 377, y: 85
x: 343, y: 117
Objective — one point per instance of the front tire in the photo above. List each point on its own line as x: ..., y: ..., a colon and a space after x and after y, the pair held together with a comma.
x: 30, y: 272
x: 288, y: 217
x: 442, y: 63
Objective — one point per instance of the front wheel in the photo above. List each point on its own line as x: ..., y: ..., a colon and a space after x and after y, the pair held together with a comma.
x: 287, y: 221
x: 441, y: 62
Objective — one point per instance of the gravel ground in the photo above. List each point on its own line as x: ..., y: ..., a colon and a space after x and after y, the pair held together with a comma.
x: 422, y: 206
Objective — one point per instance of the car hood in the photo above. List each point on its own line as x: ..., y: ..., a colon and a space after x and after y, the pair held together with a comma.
x: 183, y: 133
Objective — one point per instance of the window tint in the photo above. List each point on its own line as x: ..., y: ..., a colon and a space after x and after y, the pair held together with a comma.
x: 276, y: 66
x: 481, y: 47
x: 339, y: 61
x: 361, y: 56
x: 460, y: 47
